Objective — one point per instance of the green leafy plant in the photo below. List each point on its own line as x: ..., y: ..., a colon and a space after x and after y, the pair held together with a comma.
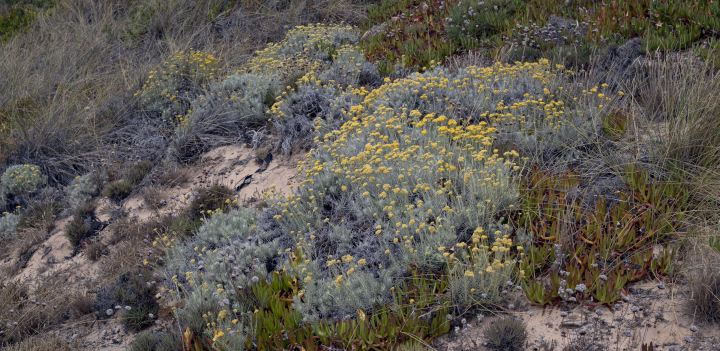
x: 16, y: 19
x: 279, y: 327
x: 554, y: 267
x: 414, y: 34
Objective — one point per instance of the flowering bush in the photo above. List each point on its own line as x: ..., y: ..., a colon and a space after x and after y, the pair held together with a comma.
x: 169, y: 90
x: 218, y: 265
x: 21, y: 179
x: 304, y: 49
x: 393, y: 187
x: 405, y: 176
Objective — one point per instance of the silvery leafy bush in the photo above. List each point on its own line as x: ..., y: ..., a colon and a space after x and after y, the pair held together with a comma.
x: 22, y: 179
x: 312, y: 108
x: 350, y: 68
x: 8, y: 225
x: 391, y: 188
x: 218, y: 117
x: 81, y: 190
x: 219, y: 264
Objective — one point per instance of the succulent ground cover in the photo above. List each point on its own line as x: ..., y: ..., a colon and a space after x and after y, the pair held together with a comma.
x: 565, y: 175
x: 418, y: 32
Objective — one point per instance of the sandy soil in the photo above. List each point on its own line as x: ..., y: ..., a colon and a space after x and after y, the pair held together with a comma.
x: 661, y: 320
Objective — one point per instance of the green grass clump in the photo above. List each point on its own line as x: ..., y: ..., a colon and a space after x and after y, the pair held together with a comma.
x: 21, y: 179
x: 40, y: 214
x: 121, y: 189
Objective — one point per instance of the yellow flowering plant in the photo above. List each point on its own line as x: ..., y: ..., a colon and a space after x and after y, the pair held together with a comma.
x: 21, y: 179
x: 168, y: 91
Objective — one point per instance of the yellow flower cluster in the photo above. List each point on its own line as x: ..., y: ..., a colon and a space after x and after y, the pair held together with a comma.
x: 182, y: 71
x: 417, y: 174
x: 22, y: 178
x: 298, y: 52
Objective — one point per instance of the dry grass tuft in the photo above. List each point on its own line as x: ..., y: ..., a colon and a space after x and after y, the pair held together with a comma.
x: 42, y: 343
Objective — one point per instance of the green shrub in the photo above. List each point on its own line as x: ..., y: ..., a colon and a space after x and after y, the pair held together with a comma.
x: 76, y: 230
x: 121, y: 189
x: 8, y: 226
x: 118, y: 190
x: 16, y: 19
x: 21, y: 179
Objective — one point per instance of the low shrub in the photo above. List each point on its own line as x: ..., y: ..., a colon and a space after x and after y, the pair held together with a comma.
x: 156, y: 341
x: 137, y: 172
x: 506, y: 334
x: 118, y: 190
x: 21, y: 179
x: 217, y: 117
x: 121, y: 189
x: 81, y: 190
x: 133, y: 295
x: 77, y: 230
x: 83, y: 225
x: 8, y: 226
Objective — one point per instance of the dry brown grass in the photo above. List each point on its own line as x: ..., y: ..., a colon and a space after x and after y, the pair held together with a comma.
x: 43, y: 343
x: 34, y: 305
x: 131, y: 244
x: 68, y: 83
